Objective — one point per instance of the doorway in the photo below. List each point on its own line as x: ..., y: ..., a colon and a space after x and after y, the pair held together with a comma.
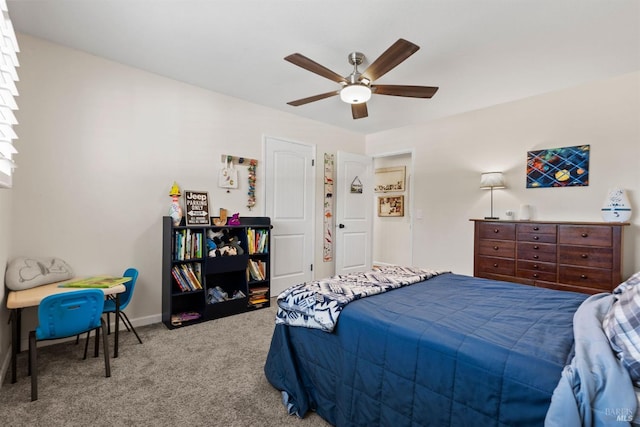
x: 392, y: 231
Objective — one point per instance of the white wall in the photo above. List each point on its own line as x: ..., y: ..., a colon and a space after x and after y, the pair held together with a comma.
x: 5, y: 241
x: 451, y: 153
x: 100, y: 145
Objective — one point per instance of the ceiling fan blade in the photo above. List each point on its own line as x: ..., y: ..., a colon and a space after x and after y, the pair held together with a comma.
x: 398, y: 52
x: 314, y: 67
x: 408, y: 91
x: 359, y: 111
x: 303, y: 101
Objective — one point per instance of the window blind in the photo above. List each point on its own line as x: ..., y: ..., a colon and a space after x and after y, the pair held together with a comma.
x: 8, y: 91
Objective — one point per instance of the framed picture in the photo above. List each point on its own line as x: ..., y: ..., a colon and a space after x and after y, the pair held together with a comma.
x: 390, y: 205
x: 389, y: 179
x: 197, y: 207
x: 558, y: 167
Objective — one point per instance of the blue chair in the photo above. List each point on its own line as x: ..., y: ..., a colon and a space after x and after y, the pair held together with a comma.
x: 125, y: 298
x: 110, y: 307
x: 65, y: 315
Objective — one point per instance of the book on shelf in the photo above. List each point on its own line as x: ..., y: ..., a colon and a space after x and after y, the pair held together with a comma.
x: 179, y: 280
x: 178, y: 318
x: 260, y: 290
x: 188, y: 244
x: 257, y: 269
x: 186, y: 278
x: 258, y: 300
x: 257, y: 241
x: 189, y: 274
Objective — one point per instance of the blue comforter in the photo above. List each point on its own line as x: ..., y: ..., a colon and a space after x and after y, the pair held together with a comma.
x: 453, y: 350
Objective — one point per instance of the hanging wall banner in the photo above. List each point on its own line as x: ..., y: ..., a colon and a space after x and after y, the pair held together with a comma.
x: 327, y: 248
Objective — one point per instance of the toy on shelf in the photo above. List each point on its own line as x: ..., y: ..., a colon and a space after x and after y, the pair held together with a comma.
x: 234, y: 220
x: 175, y: 210
x: 222, y: 220
x: 222, y: 243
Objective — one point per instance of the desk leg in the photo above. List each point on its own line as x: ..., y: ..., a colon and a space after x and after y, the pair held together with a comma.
x: 115, y: 345
x: 15, y: 341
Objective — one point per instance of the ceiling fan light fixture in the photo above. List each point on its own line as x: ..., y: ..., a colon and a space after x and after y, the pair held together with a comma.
x: 355, y: 93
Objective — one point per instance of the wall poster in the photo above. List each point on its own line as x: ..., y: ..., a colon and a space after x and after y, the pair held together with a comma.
x: 558, y: 167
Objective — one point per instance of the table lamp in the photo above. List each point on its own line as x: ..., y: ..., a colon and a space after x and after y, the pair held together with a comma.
x: 489, y: 181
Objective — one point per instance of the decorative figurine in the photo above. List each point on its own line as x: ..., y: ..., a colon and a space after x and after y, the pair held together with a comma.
x: 234, y: 220
x: 222, y: 220
x: 175, y: 210
x: 616, y: 207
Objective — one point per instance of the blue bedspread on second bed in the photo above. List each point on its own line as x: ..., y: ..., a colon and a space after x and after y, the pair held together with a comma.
x: 454, y: 350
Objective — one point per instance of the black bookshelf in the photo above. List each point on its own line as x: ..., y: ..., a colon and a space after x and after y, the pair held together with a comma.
x: 197, y: 287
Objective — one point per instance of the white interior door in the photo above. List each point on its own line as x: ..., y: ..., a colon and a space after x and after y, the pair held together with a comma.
x: 354, y: 212
x: 289, y: 202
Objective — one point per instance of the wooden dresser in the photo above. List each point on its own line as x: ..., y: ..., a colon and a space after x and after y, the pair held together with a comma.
x: 572, y: 256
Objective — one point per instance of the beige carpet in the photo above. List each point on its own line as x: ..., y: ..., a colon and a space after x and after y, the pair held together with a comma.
x: 209, y: 374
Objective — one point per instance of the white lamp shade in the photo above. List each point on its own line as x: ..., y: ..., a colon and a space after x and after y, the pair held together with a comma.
x: 355, y: 93
x: 492, y: 180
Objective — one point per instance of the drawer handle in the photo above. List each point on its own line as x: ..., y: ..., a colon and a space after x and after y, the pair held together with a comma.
x: 495, y: 248
x: 536, y: 228
x: 535, y: 275
x: 536, y: 266
x: 584, y: 256
x: 584, y: 235
x: 536, y: 238
x: 495, y: 230
x: 495, y: 265
x: 536, y: 247
x: 583, y: 276
x: 536, y: 257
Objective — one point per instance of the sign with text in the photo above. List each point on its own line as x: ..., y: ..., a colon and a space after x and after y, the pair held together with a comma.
x: 197, y: 207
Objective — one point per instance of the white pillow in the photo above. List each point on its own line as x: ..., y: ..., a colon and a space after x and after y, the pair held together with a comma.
x: 29, y: 272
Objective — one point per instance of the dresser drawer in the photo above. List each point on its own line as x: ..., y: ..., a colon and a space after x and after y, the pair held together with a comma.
x: 493, y: 265
x: 536, y: 228
x: 537, y: 252
x: 536, y: 237
x: 586, y: 256
x: 497, y: 248
x: 585, y: 235
x: 496, y: 230
x: 594, y: 278
x: 546, y: 271
x: 547, y: 267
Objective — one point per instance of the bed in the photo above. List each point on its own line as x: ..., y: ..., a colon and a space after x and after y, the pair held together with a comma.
x: 452, y: 350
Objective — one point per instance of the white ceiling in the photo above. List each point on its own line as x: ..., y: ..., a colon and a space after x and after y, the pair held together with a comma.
x: 479, y: 52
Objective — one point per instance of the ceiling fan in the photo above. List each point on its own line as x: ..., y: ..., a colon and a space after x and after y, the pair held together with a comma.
x: 357, y: 87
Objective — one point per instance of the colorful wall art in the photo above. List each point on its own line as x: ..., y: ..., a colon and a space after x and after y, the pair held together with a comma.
x: 558, y: 167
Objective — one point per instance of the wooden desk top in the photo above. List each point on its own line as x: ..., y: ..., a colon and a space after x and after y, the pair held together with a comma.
x: 32, y: 297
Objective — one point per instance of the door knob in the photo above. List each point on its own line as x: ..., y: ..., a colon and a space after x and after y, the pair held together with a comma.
x: 340, y: 225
